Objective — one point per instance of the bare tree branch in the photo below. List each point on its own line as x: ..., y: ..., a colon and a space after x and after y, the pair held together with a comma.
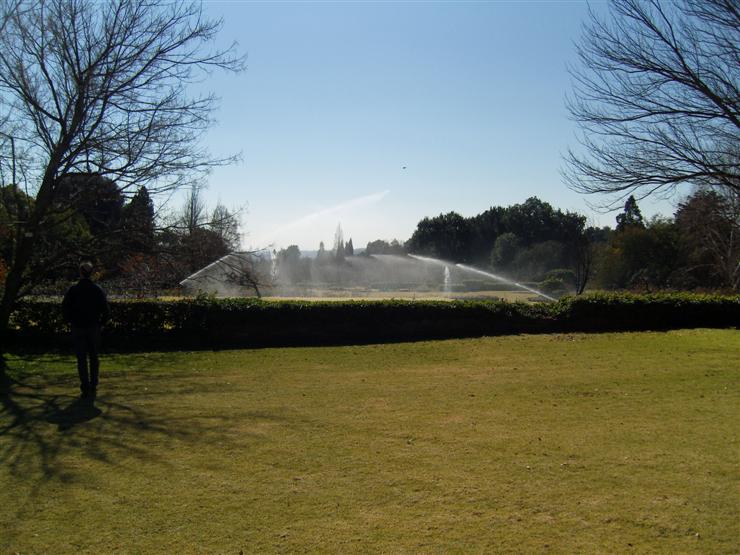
x: 657, y: 98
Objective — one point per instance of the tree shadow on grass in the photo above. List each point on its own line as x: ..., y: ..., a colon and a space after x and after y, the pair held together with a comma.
x: 39, y: 426
x: 48, y: 435
x: 42, y: 425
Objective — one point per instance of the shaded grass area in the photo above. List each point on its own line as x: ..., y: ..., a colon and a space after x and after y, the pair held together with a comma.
x: 553, y: 443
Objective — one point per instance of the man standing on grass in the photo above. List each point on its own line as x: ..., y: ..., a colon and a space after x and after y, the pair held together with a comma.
x: 86, y: 308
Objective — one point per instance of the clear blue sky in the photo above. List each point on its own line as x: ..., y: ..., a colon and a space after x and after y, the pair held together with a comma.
x: 339, y: 96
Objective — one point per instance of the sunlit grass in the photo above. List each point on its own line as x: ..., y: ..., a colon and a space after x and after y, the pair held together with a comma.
x: 571, y: 444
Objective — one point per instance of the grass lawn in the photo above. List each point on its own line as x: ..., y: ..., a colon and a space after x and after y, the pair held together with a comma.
x: 610, y: 443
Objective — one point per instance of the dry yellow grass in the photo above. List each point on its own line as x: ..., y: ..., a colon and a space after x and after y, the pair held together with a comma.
x: 607, y: 443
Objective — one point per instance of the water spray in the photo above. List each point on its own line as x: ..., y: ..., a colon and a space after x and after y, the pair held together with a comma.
x: 504, y: 280
x: 482, y: 273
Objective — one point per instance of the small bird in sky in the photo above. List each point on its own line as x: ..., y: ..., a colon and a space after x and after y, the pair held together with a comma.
x: 403, y: 167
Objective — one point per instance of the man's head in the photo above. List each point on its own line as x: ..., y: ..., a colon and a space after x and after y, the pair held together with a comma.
x: 86, y: 269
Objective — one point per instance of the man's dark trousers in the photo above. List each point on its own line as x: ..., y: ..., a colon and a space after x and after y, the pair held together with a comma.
x: 86, y: 342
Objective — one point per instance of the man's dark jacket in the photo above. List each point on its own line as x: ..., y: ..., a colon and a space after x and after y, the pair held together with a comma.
x: 85, y: 305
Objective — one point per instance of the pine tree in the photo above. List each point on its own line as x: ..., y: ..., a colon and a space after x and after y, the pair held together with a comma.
x: 138, y: 222
x: 338, y: 249
x: 631, y: 217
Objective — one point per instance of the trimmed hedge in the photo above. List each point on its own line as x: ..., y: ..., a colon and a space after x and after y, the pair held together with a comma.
x: 203, y: 323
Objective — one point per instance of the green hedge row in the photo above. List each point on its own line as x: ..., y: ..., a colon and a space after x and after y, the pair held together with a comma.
x: 221, y: 323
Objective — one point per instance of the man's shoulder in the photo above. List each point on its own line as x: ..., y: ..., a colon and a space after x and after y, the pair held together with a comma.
x: 85, y: 285
x: 72, y: 289
x: 88, y: 283
x: 98, y: 289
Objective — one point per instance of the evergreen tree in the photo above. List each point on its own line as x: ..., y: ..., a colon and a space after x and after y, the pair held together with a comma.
x: 97, y: 199
x: 631, y: 217
x: 138, y: 222
x: 338, y: 249
x: 322, y: 255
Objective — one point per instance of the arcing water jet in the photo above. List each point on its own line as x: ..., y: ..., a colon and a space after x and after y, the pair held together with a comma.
x: 482, y: 273
x: 504, y: 280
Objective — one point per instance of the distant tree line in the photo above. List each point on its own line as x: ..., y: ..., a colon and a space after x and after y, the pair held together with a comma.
x: 524, y: 241
x: 379, y: 246
x: 699, y: 247
x: 294, y: 268
x: 138, y: 250
x: 655, y: 96
x: 134, y: 249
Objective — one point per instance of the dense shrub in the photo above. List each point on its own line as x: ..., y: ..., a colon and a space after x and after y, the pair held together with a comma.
x: 625, y: 311
x: 218, y: 323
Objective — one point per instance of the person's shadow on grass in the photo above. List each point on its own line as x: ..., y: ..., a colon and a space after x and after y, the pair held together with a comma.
x: 78, y: 411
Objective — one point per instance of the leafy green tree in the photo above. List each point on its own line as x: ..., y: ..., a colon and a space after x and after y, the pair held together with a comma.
x: 642, y: 257
x: 395, y: 247
x: 486, y: 228
x: 322, y: 257
x: 447, y: 236
x: 379, y: 246
x: 534, y: 221
x: 505, y: 250
x: 538, y: 259
x: 289, y: 264
x: 376, y: 247
x: 499, y: 235
x: 99, y: 202
x: 96, y: 198
x: 85, y: 221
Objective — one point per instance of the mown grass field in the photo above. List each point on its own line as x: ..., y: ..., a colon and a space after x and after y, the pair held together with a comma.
x: 611, y: 443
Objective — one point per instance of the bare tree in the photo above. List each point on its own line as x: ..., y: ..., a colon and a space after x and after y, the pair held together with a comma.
x: 583, y: 259
x: 249, y: 270
x: 101, y: 88
x: 709, y: 222
x: 193, y: 215
x: 225, y: 223
x: 657, y: 98
x: 233, y: 275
